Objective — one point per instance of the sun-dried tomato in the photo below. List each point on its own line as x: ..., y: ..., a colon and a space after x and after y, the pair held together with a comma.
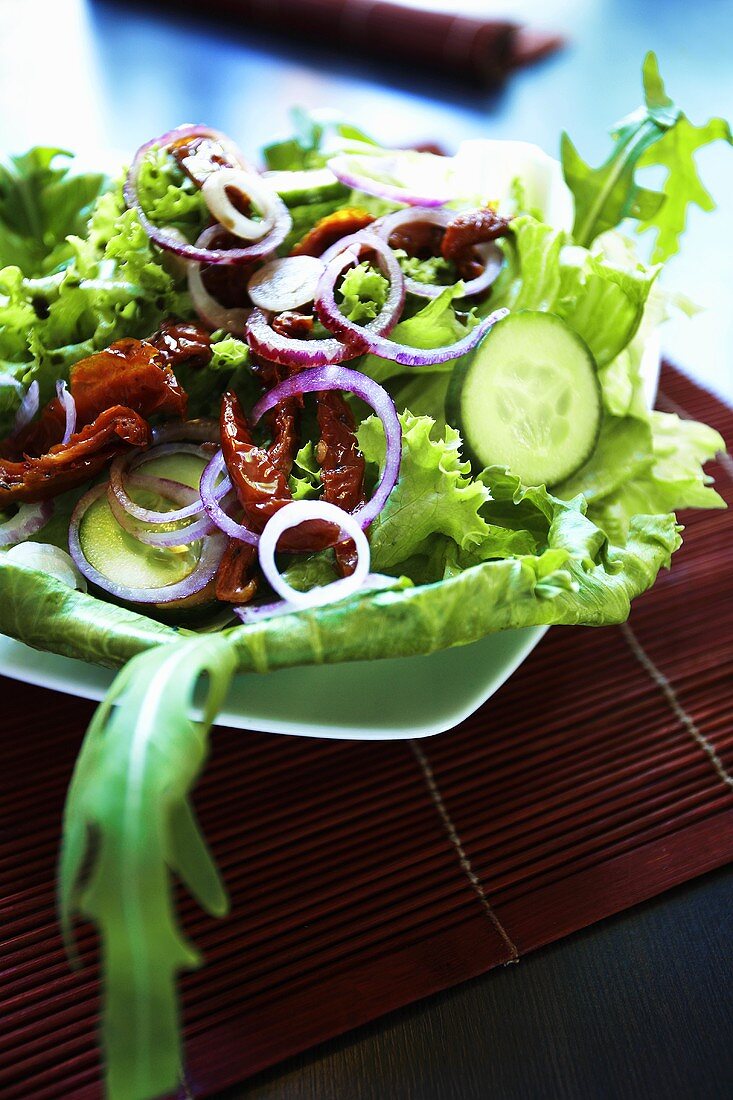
x: 68, y: 465
x: 133, y: 373
x: 471, y: 228
x: 237, y: 579
x: 182, y: 342
x: 331, y: 229
x: 293, y: 325
x: 342, y: 466
x: 420, y: 239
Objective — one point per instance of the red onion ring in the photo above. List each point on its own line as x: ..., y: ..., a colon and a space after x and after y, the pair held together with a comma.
x: 285, y: 284
x: 194, y: 431
x: 211, y: 554
x: 27, y: 409
x: 209, y: 489
x: 175, y: 491
x: 292, y: 515
x: 28, y: 519
x: 69, y: 405
x: 170, y: 242
x: 127, y: 464
x: 331, y: 316
x: 253, y: 188
x: 290, y: 352
x: 489, y: 251
x: 374, y: 582
x: 343, y: 378
x: 213, y: 313
x: 393, y: 192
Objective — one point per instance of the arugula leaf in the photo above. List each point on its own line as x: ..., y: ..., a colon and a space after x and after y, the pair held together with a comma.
x: 40, y: 205
x: 130, y: 790
x: 658, y: 133
x: 683, y: 186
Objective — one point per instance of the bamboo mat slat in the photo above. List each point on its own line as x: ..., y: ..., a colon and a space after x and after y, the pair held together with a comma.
x: 365, y: 876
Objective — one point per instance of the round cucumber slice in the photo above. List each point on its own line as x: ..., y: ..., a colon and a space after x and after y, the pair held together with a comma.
x: 529, y: 399
x: 120, y: 556
x: 306, y: 186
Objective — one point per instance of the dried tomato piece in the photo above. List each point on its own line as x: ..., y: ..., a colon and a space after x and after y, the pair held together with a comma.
x: 69, y: 465
x: 331, y: 229
x: 342, y: 466
x: 471, y: 228
x: 292, y: 324
x: 133, y: 373
x: 420, y: 239
x: 182, y: 342
x: 261, y: 486
x: 237, y: 580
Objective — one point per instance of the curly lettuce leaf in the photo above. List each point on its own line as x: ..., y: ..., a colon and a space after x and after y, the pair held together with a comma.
x: 601, y: 298
x: 41, y: 204
x: 169, y: 197
x: 435, y: 493
x: 434, y: 326
x: 673, y: 478
x: 363, y: 292
x: 657, y: 133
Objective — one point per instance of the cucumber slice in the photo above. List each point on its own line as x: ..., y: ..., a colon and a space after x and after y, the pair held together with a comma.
x: 529, y: 399
x: 119, y: 556
x: 306, y: 186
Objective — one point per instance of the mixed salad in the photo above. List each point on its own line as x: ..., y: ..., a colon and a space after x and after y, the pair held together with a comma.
x: 351, y: 403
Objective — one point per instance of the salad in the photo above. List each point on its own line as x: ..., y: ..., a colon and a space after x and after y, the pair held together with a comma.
x: 352, y: 403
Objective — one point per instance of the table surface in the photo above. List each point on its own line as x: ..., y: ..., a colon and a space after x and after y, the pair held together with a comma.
x: 634, y: 1007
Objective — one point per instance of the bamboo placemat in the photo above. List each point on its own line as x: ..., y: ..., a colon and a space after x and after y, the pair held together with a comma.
x: 364, y: 876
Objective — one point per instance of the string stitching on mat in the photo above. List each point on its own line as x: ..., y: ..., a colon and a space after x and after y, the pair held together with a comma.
x: 672, y: 698
x: 465, y: 862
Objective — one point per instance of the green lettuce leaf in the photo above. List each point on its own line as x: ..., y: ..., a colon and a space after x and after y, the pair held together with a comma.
x: 169, y: 197
x: 434, y: 326
x: 41, y: 204
x: 672, y: 480
x: 657, y: 133
x: 601, y: 298
x: 435, y: 493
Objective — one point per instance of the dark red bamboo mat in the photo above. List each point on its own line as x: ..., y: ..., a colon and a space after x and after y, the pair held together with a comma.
x: 365, y: 876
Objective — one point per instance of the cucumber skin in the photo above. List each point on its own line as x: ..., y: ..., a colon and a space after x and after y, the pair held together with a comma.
x: 453, y: 403
x: 328, y: 192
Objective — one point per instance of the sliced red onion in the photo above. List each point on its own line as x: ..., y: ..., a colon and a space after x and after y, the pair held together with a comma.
x: 257, y: 613
x: 179, y: 494
x: 292, y: 515
x: 343, y: 169
x: 285, y: 284
x: 170, y: 241
x: 27, y: 409
x: 211, y: 554
x: 348, y: 250
x: 250, y: 187
x: 263, y: 340
x: 489, y: 251
x: 124, y: 466
x: 194, y: 431
x: 209, y: 490
x: 29, y: 519
x: 292, y: 352
x: 334, y: 320
x: 213, y: 313
x: 343, y: 378
x: 69, y: 405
